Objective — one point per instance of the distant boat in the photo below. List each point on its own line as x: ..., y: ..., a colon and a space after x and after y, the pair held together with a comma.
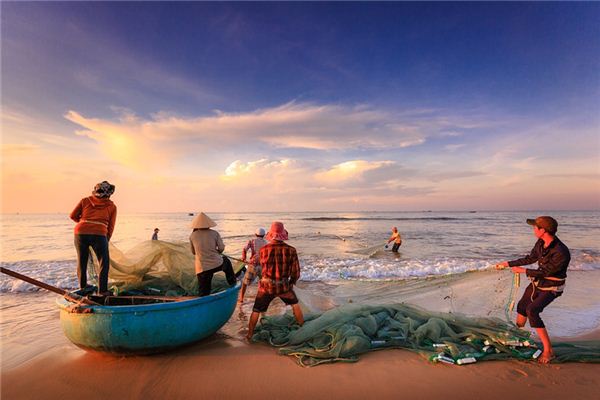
x: 144, y: 328
x: 472, y: 212
x: 190, y: 214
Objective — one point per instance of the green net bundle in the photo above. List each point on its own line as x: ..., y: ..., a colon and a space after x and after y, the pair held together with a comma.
x: 158, y: 268
x: 345, y: 332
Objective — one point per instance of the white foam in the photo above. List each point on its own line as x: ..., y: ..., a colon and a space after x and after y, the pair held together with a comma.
x: 62, y: 274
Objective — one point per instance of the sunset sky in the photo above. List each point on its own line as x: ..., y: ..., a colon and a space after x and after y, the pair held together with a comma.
x: 301, y: 106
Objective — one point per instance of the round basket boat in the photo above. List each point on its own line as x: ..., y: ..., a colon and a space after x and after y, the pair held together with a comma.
x: 146, y: 328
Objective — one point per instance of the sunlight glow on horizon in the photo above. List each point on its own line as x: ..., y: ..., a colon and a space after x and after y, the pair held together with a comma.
x: 418, y: 115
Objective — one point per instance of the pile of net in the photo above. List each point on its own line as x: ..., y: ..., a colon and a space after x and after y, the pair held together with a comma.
x: 156, y: 267
x: 345, y: 332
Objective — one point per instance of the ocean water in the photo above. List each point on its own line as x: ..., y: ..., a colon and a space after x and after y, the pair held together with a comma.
x: 443, y: 265
x: 333, y: 246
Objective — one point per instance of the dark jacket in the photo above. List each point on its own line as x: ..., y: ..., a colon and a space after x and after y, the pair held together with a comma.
x: 553, y: 262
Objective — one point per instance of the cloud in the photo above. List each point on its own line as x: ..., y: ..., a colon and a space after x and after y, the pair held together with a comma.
x: 18, y: 149
x: 164, y: 136
x: 355, y: 171
x: 239, y: 170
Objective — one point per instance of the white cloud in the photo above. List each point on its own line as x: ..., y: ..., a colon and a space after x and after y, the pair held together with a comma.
x: 293, y: 125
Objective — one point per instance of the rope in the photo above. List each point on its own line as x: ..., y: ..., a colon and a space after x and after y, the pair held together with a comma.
x: 510, y: 303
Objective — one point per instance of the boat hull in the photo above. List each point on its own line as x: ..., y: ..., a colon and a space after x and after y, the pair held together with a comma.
x: 149, y: 328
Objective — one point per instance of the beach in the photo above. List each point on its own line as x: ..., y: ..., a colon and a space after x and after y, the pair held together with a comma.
x: 38, y: 361
x: 450, y: 273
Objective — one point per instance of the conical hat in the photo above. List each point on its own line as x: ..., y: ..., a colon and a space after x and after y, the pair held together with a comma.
x: 202, y: 221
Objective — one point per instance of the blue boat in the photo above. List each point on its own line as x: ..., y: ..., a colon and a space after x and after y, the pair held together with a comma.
x: 146, y: 328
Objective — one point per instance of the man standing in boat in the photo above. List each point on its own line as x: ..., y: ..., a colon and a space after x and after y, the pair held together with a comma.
x: 96, y: 216
x: 207, y: 246
x: 547, y: 281
x: 280, y: 272
x: 253, y: 246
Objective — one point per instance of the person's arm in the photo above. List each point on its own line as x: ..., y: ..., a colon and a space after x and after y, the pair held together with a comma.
x: 244, y: 250
x: 295, y: 269
x: 220, y: 244
x: 558, y: 261
x: 111, y: 223
x: 76, y: 213
x: 192, y: 247
x: 530, y: 259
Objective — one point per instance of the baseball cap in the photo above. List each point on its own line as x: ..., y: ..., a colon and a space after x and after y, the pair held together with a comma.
x: 544, y: 222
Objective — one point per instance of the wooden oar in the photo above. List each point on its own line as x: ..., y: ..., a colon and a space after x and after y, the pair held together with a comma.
x: 71, y: 296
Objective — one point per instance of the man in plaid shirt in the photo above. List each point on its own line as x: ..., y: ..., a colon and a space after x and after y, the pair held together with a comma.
x: 280, y: 272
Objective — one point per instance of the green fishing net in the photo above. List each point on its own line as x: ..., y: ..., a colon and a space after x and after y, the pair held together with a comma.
x: 155, y: 267
x: 345, y: 332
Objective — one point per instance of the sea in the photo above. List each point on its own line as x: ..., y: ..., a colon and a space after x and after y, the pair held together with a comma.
x: 445, y: 264
x: 332, y: 246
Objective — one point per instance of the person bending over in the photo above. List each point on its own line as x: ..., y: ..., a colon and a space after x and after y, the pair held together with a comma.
x: 280, y: 272
x: 207, y: 246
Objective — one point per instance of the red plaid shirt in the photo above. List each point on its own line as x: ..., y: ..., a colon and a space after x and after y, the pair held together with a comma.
x: 280, y: 267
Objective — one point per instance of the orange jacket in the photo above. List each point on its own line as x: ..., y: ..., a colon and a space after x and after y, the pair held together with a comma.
x: 95, y: 216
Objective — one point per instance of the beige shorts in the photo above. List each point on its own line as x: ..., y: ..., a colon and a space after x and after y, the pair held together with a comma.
x: 251, y: 273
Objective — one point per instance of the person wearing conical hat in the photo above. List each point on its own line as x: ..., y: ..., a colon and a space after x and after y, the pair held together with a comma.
x: 96, y: 216
x: 280, y: 272
x: 207, y: 246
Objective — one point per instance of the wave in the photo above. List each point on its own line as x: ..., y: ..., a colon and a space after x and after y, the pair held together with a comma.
x: 63, y: 274
x: 386, y: 219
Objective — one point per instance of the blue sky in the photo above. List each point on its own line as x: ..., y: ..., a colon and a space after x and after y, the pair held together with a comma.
x: 443, y: 105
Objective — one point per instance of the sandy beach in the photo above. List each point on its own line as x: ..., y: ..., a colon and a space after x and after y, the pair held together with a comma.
x: 227, y: 369
x: 38, y: 361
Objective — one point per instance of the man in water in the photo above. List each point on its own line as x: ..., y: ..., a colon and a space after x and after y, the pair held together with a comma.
x: 253, y: 246
x: 280, y: 272
x: 396, y: 238
x: 547, y: 281
x: 155, y: 234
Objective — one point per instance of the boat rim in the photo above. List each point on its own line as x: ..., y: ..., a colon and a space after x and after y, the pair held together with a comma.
x: 63, y: 303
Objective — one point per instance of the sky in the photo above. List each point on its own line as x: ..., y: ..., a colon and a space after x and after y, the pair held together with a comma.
x: 238, y: 107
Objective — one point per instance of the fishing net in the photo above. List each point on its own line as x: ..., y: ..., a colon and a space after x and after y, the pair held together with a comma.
x: 158, y: 268
x: 345, y: 332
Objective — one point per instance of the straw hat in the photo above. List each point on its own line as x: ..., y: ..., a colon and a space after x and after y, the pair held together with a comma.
x: 202, y: 221
x: 277, y: 232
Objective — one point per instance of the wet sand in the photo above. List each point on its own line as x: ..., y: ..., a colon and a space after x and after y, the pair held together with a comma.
x: 227, y: 369
x: 39, y: 362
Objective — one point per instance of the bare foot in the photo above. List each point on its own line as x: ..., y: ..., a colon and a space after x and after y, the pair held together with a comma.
x: 545, y: 358
x: 248, y: 339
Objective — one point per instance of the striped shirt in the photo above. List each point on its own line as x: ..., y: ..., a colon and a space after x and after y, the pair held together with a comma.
x: 280, y: 267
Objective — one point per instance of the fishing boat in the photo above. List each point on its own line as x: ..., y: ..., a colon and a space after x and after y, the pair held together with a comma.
x: 142, y: 324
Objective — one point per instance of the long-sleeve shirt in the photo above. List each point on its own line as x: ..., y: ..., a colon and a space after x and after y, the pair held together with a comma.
x: 253, y: 246
x: 280, y: 267
x: 553, y: 262
x: 207, y: 247
x: 95, y: 216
